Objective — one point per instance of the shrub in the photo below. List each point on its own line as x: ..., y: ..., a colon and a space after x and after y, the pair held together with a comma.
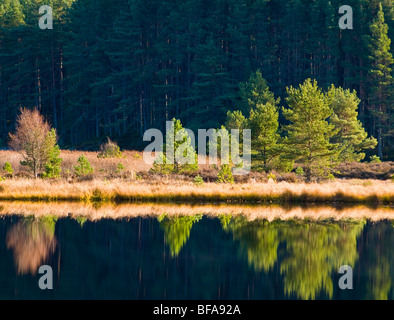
x: 161, y: 166
x: 374, y: 159
x: 198, y: 180
x: 331, y: 177
x: 225, y: 174
x: 67, y: 173
x: 290, y: 177
x: 271, y: 176
x: 83, y: 168
x: 109, y: 150
x: 8, y: 168
x: 120, y: 168
x: 299, y: 171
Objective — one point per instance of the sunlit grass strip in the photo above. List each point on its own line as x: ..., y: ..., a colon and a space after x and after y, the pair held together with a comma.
x: 118, y: 191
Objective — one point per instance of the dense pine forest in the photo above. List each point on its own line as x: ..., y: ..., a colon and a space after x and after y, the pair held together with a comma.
x: 119, y: 67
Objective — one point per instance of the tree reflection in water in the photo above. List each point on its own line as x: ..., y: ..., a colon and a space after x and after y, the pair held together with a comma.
x: 177, y: 230
x: 380, y: 261
x: 279, y: 259
x: 33, y: 242
x: 258, y: 239
x: 314, y: 250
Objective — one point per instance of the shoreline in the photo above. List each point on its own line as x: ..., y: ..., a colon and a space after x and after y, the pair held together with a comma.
x: 343, y: 192
x: 127, y: 211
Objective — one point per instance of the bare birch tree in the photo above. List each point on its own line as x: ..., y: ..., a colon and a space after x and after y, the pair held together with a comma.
x: 31, y: 139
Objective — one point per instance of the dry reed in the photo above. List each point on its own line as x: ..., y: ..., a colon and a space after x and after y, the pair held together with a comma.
x: 118, y: 191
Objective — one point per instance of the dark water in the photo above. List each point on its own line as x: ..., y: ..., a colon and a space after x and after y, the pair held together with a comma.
x: 195, y: 258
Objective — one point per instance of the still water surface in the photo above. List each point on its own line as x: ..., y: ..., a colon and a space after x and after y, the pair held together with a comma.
x: 195, y: 257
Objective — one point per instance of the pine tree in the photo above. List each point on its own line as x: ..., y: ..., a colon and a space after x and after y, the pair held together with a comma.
x: 351, y: 137
x: 263, y: 122
x: 53, y: 166
x: 380, y: 76
x: 94, y: 76
x: 225, y: 175
x: 7, y: 168
x: 213, y: 90
x: 236, y: 120
x: 83, y: 167
x: 179, y: 156
x: 11, y: 13
x: 309, y: 133
x: 254, y: 92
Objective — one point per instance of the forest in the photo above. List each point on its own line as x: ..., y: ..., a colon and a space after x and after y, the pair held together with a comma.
x: 117, y: 68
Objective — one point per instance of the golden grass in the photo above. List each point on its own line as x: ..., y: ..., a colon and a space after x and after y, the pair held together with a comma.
x: 132, y: 161
x: 118, y: 190
x: 165, y: 189
x: 125, y: 211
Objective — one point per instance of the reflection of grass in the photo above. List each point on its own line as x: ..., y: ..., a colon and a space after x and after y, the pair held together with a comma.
x: 94, y: 212
x: 118, y: 191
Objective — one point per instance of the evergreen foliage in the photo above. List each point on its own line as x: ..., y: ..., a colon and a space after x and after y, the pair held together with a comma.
x: 179, y: 158
x: 351, y: 137
x: 225, y: 174
x: 95, y: 76
x: 8, y: 168
x: 53, y: 166
x: 309, y: 131
x: 83, y: 167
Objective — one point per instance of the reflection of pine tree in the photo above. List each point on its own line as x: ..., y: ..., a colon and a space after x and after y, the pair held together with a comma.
x: 315, y: 250
x: 379, y: 261
x: 177, y: 231
x: 258, y: 240
x: 381, y: 283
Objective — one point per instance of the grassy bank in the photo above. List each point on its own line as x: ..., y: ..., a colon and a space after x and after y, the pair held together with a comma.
x: 373, y: 192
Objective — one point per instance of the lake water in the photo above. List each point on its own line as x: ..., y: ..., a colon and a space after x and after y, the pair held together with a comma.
x: 195, y: 257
